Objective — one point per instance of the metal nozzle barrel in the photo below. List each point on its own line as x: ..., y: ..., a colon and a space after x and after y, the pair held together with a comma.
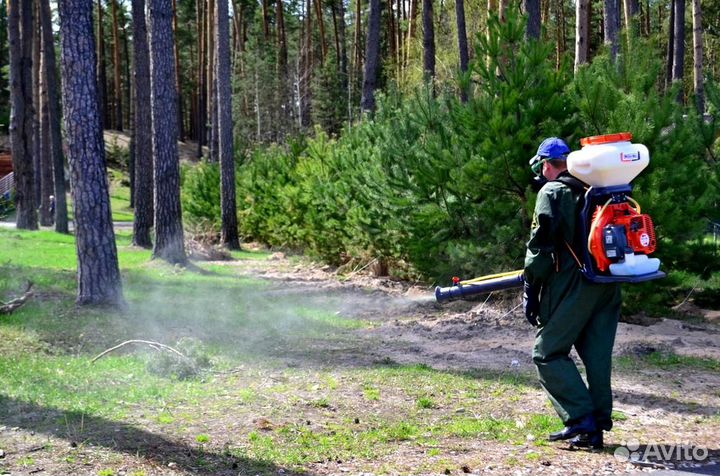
x: 485, y: 286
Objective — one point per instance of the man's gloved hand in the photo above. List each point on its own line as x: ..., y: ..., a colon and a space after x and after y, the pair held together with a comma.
x: 531, y: 303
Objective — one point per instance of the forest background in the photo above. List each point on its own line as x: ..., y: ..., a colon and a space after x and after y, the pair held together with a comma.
x: 374, y: 135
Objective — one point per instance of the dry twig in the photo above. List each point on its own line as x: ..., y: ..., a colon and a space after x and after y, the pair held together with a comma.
x: 154, y: 345
x: 9, y: 307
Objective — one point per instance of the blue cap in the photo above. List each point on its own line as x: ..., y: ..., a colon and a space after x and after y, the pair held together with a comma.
x: 552, y: 148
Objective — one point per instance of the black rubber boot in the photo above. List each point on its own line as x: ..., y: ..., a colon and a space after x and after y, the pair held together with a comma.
x: 593, y: 441
x: 585, y: 425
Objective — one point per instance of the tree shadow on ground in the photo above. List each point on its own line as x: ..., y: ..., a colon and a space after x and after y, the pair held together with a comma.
x: 153, y: 448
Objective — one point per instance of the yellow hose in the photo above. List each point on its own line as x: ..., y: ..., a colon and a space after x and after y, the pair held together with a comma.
x: 491, y: 276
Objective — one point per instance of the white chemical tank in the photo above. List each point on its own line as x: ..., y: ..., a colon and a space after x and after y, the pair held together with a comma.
x: 608, y: 160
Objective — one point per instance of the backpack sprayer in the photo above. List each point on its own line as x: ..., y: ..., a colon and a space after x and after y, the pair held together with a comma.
x: 614, y: 238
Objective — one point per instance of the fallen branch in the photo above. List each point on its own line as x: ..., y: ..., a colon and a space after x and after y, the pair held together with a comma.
x: 154, y: 345
x: 11, y: 306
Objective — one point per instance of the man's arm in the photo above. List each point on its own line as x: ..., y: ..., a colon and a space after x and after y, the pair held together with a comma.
x: 540, y: 254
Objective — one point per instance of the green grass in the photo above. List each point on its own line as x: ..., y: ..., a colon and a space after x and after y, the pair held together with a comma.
x: 236, y: 323
x: 669, y: 360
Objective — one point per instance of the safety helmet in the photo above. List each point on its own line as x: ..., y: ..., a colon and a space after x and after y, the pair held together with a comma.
x: 551, y: 148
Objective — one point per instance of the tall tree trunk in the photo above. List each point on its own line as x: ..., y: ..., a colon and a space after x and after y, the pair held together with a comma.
x: 116, y: 68
x: 321, y: 26
x: 98, y: 271
x: 612, y: 26
x: 670, y: 46
x: 169, y: 238
x: 127, y: 80
x: 306, y: 68
x: 265, y: 20
x: 631, y: 9
x: 698, y: 57
x: 144, y: 208
x: 46, y: 165
x: 37, y: 160
x: 391, y: 30
x: 412, y: 26
x: 211, y: 82
x: 201, y: 112
x: 428, y: 41
x: 282, y: 66
x: 21, y: 119
x: 337, y: 35
x: 532, y: 10
x: 581, y: 32
x: 372, y: 58
x: 229, y: 231
x: 679, y: 46
x: 560, y: 32
x: 181, y: 128
x: 342, y: 31
x: 462, y: 44
x: 102, y: 69
x: 357, y: 43
x: 53, y: 99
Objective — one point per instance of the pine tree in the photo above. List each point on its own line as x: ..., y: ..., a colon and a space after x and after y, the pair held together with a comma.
x: 169, y: 237
x: 98, y: 270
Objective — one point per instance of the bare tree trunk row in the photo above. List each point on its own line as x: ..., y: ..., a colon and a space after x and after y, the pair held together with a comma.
x: 21, y: 121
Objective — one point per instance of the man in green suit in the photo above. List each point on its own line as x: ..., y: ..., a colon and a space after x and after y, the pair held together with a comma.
x: 567, y: 309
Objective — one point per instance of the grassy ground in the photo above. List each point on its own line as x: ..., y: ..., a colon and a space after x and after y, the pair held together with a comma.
x: 265, y: 386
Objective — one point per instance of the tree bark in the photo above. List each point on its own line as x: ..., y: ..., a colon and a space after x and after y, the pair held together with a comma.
x: 117, y: 102
x: 229, y: 231
x: 372, y: 58
x: 462, y: 44
x: 670, y: 46
x: 698, y: 86
x: 357, y: 43
x: 201, y: 98
x: 37, y: 159
x: 21, y: 119
x: 102, y: 70
x: 532, y: 10
x: 428, y: 41
x: 46, y: 166
x: 581, y: 33
x: 679, y: 45
x: 342, y: 31
x: 306, y: 69
x: 98, y: 271
x: 282, y: 66
x: 169, y: 238
x: 611, y: 32
x: 321, y: 26
x: 181, y: 128
x: 560, y: 33
x: 53, y: 100
x: 210, y: 82
x: 144, y: 208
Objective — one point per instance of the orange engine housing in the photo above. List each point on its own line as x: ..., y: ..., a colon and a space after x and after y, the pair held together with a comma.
x: 639, y: 231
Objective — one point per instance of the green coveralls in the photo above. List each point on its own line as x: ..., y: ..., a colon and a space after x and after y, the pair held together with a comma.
x: 573, y: 311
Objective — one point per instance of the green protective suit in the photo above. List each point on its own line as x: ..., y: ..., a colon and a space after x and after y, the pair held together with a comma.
x: 573, y: 312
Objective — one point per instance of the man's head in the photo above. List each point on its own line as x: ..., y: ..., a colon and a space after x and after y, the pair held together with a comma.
x: 551, y: 158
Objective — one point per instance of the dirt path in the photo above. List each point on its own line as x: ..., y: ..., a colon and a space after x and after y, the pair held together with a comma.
x: 664, y: 404
x: 311, y: 387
